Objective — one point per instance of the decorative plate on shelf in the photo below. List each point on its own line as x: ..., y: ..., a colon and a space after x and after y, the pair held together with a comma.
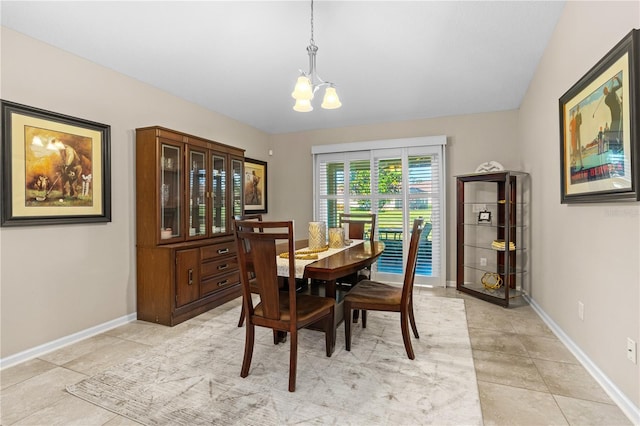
x: 489, y: 166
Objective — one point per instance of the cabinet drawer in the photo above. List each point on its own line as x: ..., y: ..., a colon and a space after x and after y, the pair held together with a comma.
x: 209, y: 285
x: 215, y: 250
x: 217, y: 267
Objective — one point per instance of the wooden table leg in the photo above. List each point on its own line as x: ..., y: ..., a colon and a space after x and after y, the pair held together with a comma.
x: 330, y: 288
x: 279, y: 337
x: 330, y: 291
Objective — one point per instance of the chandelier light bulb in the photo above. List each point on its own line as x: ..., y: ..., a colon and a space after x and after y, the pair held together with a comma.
x: 308, y: 83
x: 302, y: 89
x: 303, y: 105
x: 331, y: 100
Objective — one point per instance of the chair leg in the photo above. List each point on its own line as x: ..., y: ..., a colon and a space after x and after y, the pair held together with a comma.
x: 347, y: 326
x: 356, y: 314
x: 241, y: 321
x: 404, y: 325
x: 364, y: 319
x: 333, y: 330
x: 248, y: 350
x: 412, y: 318
x: 293, y: 360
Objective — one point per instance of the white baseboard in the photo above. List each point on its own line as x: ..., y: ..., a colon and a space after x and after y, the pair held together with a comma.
x: 625, y: 404
x: 64, y: 341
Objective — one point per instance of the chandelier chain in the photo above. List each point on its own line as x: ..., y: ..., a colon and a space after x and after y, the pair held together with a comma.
x: 312, y: 41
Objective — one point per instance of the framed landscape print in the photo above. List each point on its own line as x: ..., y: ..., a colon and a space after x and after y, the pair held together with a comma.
x: 55, y: 168
x: 255, y: 186
x: 599, y: 139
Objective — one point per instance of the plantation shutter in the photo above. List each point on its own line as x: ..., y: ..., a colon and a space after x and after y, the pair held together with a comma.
x: 398, y: 183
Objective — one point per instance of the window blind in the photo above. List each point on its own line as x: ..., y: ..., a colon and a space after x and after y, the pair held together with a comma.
x: 398, y: 184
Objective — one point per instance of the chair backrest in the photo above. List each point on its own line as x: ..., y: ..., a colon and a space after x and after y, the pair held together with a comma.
x: 256, y: 216
x: 248, y: 217
x: 412, y: 260
x: 260, y: 245
x: 357, y: 223
x: 252, y: 218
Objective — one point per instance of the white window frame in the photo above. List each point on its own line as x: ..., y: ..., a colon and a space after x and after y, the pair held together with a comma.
x: 404, y: 145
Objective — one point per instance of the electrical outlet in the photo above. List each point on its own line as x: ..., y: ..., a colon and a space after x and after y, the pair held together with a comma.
x: 483, y: 261
x: 631, y: 350
x: 581, y: 311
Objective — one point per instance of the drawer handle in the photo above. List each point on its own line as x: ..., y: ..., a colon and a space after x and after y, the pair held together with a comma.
x: 223, y: 251
x: 221, y: 283
x: 190, y: 276
x: 221, y: 267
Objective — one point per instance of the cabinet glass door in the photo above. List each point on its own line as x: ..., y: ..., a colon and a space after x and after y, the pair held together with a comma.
x: 197, y: 192
x: 170, y: 184
x: 219, y: 212
x: 236, y: 166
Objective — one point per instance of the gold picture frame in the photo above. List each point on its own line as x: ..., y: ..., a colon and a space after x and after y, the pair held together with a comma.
x: 55, y: 168
x: 255, y: 186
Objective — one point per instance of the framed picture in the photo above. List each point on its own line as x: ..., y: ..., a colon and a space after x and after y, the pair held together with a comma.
x: 55, y: 168
x: 255, y: 186
x: 484, y: 216
x: 599, y: 141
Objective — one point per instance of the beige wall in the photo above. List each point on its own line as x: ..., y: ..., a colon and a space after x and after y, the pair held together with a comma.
x: 587, y: 253
x: 471, y: 140
x: 59, y: 280
x: 84, y: 275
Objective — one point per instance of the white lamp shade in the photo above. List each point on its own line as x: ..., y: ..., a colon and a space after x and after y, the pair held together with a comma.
x: 303, y: 105
x: 303, y: 89
x: 331, y: 100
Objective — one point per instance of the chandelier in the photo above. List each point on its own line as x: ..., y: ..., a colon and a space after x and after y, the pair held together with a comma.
x: 309, y: 83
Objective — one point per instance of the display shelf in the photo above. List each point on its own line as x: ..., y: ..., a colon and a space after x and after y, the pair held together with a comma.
x: 498, y: 294
x: 494, y: 268
x: 493, y: 213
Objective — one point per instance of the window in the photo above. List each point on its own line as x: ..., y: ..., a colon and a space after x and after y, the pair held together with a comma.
x: 398, y: 180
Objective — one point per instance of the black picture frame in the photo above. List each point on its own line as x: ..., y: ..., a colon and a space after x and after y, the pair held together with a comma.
x: 255, y: 186
x: 484, y: 216
x: 56, y: 169
x: 599, y: 140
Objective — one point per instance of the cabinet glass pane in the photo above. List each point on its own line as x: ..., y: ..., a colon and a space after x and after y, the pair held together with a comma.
x: 236, y: 166
x: 218, y: 194
x: 197, y: 192
x: 170, y: 191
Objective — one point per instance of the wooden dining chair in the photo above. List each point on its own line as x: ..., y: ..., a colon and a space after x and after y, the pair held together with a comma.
x: 376, y: 296
x: 360, y: 225
x: 253, y: 218
x: 282, y: 311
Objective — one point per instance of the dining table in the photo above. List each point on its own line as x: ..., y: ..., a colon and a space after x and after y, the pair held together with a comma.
x: 321, y: 276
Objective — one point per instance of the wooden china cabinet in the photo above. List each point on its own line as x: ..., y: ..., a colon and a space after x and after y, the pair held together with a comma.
x: 187, y: 191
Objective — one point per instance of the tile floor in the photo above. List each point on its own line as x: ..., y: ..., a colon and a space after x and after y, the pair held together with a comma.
x: 525, y: 375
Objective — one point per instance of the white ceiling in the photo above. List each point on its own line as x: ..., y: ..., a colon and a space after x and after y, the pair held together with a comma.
x: 390, y: 60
